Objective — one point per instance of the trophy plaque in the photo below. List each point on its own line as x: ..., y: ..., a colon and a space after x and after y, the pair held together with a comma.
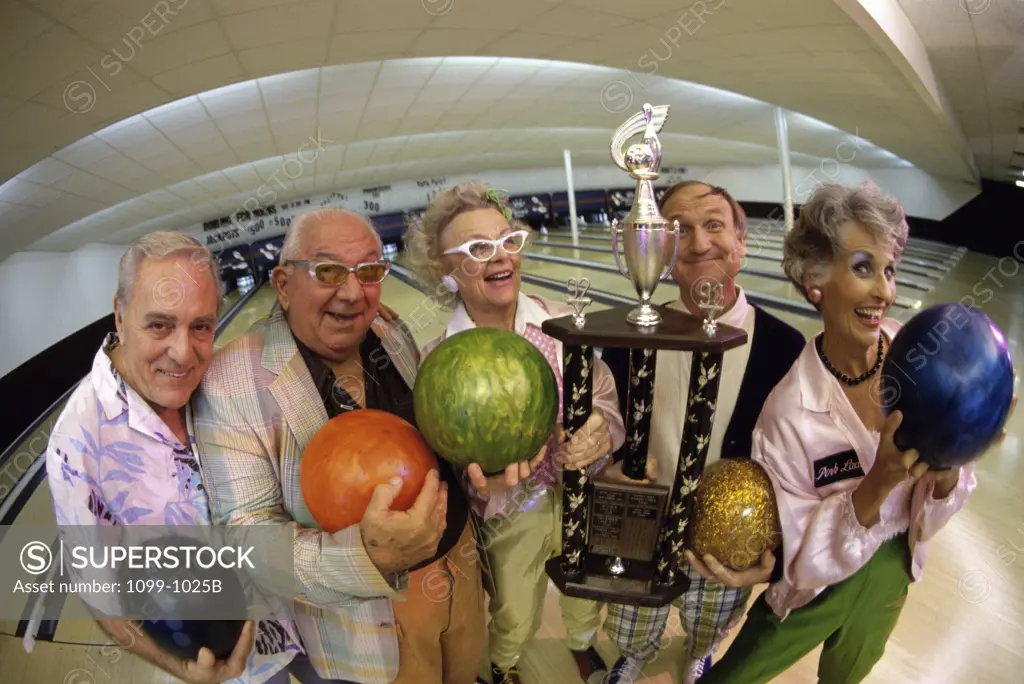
x: 623, y: 543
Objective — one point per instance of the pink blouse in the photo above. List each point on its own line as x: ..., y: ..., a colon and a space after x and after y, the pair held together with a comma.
x: 816, y: 451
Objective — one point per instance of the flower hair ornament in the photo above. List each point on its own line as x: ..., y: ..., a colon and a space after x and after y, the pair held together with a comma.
x: 492, y: 196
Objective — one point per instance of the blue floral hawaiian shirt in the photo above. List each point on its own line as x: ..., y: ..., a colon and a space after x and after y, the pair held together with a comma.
x: 112, y: 461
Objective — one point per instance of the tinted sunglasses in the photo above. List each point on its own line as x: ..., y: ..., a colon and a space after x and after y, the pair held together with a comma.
x: 333, y: 273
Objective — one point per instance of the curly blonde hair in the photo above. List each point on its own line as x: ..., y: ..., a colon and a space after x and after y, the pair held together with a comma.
x: 811, y: 246
x: 422, y: 254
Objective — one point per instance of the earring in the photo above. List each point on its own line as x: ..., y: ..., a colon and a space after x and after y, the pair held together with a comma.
x: 814, y: 295
x: 450, y: 283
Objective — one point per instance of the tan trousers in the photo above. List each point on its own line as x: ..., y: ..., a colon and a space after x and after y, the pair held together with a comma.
x: 517, y: 548
x: 441, y: 621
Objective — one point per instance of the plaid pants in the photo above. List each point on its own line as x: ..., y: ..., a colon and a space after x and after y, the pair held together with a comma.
x: 707, y: 610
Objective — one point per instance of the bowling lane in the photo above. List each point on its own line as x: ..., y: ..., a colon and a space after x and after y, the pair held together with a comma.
x: 423, y: 315
x: 256, y: 308
x: 764, y: 259
x: 928, y: 258
x: 778, y: 287
x: 756, y: 283
x: 230, y: 299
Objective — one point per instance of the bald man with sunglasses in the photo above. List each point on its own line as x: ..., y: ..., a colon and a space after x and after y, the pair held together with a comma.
x: 386, y: 600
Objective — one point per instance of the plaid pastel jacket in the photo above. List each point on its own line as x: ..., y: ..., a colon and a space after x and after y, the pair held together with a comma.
x: 256, y: 410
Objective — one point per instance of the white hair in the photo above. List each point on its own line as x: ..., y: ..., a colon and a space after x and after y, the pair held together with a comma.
x: 159, y: 245
x: 293, y: 236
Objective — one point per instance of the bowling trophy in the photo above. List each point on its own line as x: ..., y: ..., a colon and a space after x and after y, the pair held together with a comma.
x: 623, y: 543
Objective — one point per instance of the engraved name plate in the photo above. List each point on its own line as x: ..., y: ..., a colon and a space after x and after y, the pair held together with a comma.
x: 625, y: 520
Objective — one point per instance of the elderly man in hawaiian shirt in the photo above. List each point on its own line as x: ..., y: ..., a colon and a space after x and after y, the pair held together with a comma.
x: 122, y: 451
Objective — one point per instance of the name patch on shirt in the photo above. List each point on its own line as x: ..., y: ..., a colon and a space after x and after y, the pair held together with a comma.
x: 837, y: 467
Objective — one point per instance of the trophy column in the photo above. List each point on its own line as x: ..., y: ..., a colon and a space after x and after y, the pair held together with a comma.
x: 577, y: 404
x: 639, y: 403
x: 705, y: 373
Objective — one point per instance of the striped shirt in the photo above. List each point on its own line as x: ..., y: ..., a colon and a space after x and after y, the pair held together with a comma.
x: 257, y: 409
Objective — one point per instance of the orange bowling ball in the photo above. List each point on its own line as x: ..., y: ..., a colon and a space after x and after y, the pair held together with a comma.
x: 351, y: 455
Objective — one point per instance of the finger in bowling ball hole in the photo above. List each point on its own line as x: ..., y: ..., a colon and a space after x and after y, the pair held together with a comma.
x: 181, y: 608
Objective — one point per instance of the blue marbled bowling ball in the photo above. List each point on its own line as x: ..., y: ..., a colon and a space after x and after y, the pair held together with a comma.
x: 184, y: 638
x: 950, y: 373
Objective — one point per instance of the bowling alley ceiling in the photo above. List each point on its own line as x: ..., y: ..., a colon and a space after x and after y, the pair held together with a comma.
x: 118, y: 114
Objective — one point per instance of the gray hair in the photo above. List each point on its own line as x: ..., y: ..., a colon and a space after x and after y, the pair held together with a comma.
x: 293, y: 235
x: 159, y: 245
x: 423, y: 239
x: 810, y: 247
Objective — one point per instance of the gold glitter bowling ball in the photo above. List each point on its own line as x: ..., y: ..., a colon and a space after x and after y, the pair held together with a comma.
x: 735, y: 517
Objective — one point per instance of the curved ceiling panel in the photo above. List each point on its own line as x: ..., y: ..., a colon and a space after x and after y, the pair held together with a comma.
x: 318, y: 129
x: 103, y: 125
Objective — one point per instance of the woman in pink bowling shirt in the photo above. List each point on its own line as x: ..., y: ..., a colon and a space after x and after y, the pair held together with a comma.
x: 856, y: 512
x: 467, y: 247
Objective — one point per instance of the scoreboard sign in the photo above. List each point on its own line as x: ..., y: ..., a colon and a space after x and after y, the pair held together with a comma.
x: 527, y: 207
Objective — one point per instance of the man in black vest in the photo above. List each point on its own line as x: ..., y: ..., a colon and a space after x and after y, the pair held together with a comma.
x: 712, y: 245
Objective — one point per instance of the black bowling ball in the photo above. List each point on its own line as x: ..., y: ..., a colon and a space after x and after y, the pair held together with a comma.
x: 184, y: 638
x: 180, y: 607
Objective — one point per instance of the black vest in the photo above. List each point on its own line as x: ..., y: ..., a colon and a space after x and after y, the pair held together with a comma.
x: 774, y: 348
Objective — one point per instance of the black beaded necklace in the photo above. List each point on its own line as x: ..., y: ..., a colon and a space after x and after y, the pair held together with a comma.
x: 843, y: 377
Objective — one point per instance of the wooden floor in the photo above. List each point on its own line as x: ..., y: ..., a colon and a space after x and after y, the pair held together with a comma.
x: 962, y: 623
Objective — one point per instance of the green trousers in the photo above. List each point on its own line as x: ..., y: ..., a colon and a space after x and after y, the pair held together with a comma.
x: 517, y: 548
x: 853, y: 619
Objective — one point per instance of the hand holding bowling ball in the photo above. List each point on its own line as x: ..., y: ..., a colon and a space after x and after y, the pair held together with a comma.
x: 397, y: 540
x: 943, y: 481
x: 512, y: 476
x: 713, y: 569
x: 208, y: 669
x: 486, y: 397
x: 203, y: 630
x: 353, y: 454
x: 891, y: 467
x: 949, y: 372
x: 735, y: 519
x: 373, y: 469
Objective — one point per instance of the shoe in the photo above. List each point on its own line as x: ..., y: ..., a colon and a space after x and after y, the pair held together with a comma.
x: 625, y: 671
x: 509, y: 676
x: 591, y: 665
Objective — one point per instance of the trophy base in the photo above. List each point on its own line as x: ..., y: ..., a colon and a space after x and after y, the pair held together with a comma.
x: 604, y: 588
x: 644, y: 316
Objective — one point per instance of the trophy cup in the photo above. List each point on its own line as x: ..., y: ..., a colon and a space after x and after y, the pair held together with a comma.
x: 650, y: 244
x: 622, y: 543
